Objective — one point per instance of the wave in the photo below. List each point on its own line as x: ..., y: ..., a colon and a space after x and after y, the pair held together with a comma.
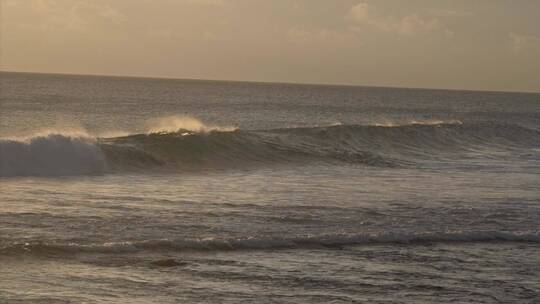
x: 428, y: 122
x: 201, y: 147
x: 51, y: 154
x: 379, y: 146
x: 269, y: 243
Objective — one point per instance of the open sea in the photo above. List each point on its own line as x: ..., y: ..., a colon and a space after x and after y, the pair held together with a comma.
x: 137, y: 190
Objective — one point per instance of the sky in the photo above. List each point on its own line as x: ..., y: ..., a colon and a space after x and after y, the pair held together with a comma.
x: 452, y: 44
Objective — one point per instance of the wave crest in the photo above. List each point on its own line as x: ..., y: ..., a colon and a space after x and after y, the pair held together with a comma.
x: 172, y: 124
x: 428, y: 122
x: 269, y: 243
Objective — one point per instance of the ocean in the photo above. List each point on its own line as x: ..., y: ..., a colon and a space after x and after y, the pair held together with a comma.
x: 139, y: 190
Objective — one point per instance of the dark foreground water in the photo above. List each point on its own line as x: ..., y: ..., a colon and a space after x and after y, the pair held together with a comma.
x: 129, y: 190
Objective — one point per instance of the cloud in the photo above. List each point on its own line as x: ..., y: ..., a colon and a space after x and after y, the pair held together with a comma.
x: 520, y: 42
x: 414, y: 24
x: 365, y: 15
x: 41, y: 6
x: 84, y: 13
x: 207, y: 2
x: 81, y: 15
x: 449, y: 13
x: 303, y: 36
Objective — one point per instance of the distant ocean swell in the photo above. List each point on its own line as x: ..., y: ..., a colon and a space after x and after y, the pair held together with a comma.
x: 268, y: 243
x: 201, y: 147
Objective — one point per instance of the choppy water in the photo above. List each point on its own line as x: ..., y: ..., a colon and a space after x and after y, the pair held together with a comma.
x: 127, y: 190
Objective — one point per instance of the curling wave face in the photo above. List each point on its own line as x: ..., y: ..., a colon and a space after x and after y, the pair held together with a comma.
x: 51, y: 155
x: 202, y: 148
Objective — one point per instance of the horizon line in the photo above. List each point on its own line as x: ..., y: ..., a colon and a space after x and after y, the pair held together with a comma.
x: 271, y: 82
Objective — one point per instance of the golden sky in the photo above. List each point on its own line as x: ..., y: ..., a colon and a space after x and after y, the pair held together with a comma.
x: 459, y: 44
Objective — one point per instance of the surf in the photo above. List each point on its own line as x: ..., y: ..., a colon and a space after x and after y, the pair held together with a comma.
x: 51, y: 155
x: 177, y: 145
x: 329, y: 241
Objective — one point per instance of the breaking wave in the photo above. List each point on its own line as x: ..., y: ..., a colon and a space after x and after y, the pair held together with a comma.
x: 191, y: 145
x: 269, y: 243
x: 51, y: 154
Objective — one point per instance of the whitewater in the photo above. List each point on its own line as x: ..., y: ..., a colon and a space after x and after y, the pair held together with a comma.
x: 133, y: 190
x: 201, y: 147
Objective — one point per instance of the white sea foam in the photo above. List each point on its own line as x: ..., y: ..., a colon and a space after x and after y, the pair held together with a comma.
x: 427, y: 122
x: 176, y: 123
x: 291, y: 242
